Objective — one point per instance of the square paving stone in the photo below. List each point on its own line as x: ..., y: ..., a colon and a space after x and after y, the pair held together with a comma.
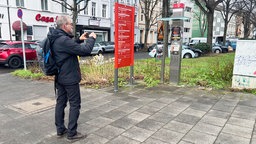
x: 162, y: 117
x: 178, y: 126
x: 199, y: 138
x: 219, y: 114
x: 225, y: 138
x: 194, y: 112
x: 189, y: 119
x: 124, y: 123
x: 154, y: 141
x: 123, y: 140
x: 201, y: 106
x: 207, y: 128
x: 150, y: 124
x: 138, y: 134
x: 168, y: 136
x: 238, y: 130
x: 93, y: 139
x: 224, y: 108
x: 213, y: 120
x: 184, y: 142
x: 100, y: 121
x: 127, y: 108
x: 157, y: 104
x: 138, y: 116
x: 148, y: 110
x: 109, y: 132
x: 241, y: 122
x: 115, y: 114
x: 167, y: 100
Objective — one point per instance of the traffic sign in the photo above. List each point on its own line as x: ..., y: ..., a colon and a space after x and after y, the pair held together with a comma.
x: 19, y: 13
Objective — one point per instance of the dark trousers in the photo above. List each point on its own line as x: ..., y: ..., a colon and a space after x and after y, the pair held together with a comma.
x: 67, y: 93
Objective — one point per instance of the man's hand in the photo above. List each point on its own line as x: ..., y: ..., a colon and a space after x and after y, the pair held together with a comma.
x: 93, y: 35
x: 83, y: 36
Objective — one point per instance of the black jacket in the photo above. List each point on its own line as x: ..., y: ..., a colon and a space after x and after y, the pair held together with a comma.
x: 66, y: 50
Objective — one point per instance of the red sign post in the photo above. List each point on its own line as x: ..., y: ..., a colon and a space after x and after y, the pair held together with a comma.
x: 124, y: 40
x: 124, y: 35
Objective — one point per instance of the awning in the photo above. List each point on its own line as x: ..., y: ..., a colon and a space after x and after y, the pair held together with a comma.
x: 16, y: 26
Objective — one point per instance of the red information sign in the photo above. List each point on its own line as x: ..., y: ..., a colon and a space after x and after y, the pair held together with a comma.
x: 124, y: 35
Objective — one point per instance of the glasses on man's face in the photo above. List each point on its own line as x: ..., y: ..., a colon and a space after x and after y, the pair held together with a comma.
x: 71, y: 24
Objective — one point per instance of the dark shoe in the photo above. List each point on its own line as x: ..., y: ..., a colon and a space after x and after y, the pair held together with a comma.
x: 76, y: 137
x: 61, y: 134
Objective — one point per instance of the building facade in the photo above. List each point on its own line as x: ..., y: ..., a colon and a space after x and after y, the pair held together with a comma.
x: 134, y: 3
x: 40, y: 15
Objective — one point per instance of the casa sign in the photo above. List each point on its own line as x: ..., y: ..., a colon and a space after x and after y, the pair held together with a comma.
x: 47, y: 19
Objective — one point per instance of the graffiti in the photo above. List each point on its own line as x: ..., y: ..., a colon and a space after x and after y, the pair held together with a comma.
x: 242, y: 81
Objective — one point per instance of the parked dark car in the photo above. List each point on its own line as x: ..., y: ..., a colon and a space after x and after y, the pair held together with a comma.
x: 197, y: 51
x: 137, y: 47
x: 218, y: 48
x: 11, y: 53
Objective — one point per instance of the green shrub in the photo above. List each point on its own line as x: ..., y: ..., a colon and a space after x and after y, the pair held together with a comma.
x: 205, y: 47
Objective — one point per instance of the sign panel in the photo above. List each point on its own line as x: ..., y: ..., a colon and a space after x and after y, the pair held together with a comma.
x: 124, y: 35
x: 245, y: 58
x: 19, y: 13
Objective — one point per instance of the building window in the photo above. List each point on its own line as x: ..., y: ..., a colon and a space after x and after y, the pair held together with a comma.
x: 188, y: 9
x: 44, y: 4
x: 86, y: 9
x: 141, y: 17
x: 20, y: 3
x: 186, y: 29
x: 64, y: 4
x: 104, y: 10
x: 93, y: 9
x: 128, y: 2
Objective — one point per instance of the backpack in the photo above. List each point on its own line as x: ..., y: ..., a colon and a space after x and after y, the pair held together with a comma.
x: 46, y: 58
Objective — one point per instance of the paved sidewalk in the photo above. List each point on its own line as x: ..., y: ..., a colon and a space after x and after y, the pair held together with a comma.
x: 134, y: 115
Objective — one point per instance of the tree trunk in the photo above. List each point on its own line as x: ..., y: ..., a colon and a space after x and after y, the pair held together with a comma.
x: 225, y: 32
x: 74, y: 18
x: 210, y: 27
x: 146, y: 34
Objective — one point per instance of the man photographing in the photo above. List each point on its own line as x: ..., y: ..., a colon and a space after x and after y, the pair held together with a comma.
x: 66, y: 50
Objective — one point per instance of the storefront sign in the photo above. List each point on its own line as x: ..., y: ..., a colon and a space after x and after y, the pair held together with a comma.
x: 124, y: 35
x: 39, y: 17
x: 93, y: 21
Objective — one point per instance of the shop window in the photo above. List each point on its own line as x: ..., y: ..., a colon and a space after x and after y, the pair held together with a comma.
x: 104, y: 10
x: 20, y: 3
x: 93, y: 9
x: 44, y: 4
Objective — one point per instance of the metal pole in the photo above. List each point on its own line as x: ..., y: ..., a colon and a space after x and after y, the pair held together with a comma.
x: 131, y: 75
x: 23, y: 46
x: 8, y: 12
x: 116, y: 80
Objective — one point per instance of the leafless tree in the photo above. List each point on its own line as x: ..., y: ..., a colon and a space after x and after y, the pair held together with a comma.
x: 247, y: 14
x: 202, y: 21
x: 228, y: 9
x: 208, y: 7
x: 74, y: 8
x: 148, y: 8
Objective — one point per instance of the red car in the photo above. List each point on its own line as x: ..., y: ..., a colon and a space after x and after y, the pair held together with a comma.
x: 11, y: 53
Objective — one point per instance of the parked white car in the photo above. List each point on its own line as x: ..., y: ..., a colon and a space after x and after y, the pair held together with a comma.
x: 97, y: 49
x: 185, y: 53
